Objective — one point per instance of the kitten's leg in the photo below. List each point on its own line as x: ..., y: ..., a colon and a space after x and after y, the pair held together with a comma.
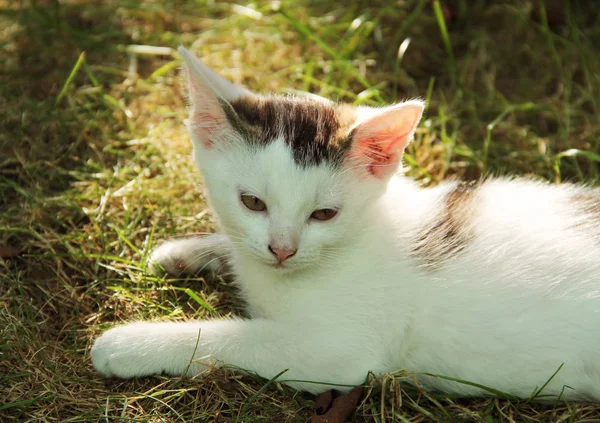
x: 190, y: 256
x: 261, y: 346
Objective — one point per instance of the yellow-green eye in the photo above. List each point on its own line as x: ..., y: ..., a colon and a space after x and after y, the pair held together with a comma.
x: 253, y: 203
x: 323, y: 214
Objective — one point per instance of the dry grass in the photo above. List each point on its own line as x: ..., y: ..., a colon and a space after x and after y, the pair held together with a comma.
x: 87, y: 185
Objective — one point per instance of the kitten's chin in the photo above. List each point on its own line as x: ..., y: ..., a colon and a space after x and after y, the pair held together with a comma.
x: 285, y: 268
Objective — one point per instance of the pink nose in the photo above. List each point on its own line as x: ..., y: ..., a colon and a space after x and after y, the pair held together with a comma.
x: 281, y: 253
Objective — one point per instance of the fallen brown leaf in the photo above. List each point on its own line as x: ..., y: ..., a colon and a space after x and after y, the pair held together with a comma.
x: 323, y: 402
x: 341, y: 408
x: 7, y: 252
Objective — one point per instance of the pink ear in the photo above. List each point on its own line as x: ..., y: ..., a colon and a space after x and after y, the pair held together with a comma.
x: 380, y: 139
x: 207, y: 115
x: 209, y: 93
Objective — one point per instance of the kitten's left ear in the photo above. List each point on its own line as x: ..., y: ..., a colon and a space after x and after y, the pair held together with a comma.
x: 381, y: 136
x: 200, y: 74
x: 209, y: 95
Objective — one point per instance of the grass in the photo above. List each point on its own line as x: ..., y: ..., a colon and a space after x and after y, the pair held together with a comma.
x: 95, y: 167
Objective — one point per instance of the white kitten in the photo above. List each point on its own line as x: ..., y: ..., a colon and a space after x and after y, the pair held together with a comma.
x: 348, y: 267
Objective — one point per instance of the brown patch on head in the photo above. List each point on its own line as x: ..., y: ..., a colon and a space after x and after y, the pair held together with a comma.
x: 450, y: 232
x: 316, y: 131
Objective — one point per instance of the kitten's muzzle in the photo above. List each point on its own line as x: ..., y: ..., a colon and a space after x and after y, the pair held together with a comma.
x: 282, y: 254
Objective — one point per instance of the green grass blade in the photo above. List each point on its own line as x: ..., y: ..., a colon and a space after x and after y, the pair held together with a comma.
x: 126, y: 240
x: 572, y: 152
x: 492, y: 391
x: 199, y: 300
x: 429, y: 92
x: 537, y: 392
x: 164, y: 69
x: 490, y: 127
x: 24, y: 402
x: 439, y: 16
x: 259, y: 392
x: 72, y: 75
x: 307, y: 32
x: 90, y: 74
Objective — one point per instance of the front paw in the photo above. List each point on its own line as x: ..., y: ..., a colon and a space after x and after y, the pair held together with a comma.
x: 145, y: 348
x: 124, y: 352
x: 186, y: 256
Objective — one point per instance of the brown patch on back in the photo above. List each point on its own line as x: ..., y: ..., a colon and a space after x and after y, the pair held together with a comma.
x: 450, y: 233
x: 587, y: 206
x: 315, y: 131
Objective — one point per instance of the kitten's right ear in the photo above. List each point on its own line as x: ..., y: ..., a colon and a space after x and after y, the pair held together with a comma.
x: 382, y: 135
x: 209, y: 94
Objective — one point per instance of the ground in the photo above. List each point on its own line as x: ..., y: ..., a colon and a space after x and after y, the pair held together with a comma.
x: 95, y: 168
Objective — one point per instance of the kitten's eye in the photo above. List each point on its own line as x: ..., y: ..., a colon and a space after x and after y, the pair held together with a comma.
x: 253, y: 203
x: 323, y: 214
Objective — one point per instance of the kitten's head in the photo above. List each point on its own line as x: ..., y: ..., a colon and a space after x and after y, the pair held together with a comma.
x: 292, y: 179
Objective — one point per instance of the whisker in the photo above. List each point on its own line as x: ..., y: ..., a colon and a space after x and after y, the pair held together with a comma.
x: 207, y: 264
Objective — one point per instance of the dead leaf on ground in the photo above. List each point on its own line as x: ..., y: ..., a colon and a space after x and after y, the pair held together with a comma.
x: 330, y: 410
x: 323, y: 402
x: 7, y: 252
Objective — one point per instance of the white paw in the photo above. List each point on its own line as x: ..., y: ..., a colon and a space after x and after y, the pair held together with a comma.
x: 188, y: 256
x: 145, y: 349
x: 125, y: 352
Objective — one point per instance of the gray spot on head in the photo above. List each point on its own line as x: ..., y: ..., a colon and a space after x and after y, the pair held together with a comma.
x: 316, y: 131
x: 450, y: 232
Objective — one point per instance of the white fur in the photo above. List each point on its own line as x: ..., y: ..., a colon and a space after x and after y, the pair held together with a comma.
x: 519, y: 301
